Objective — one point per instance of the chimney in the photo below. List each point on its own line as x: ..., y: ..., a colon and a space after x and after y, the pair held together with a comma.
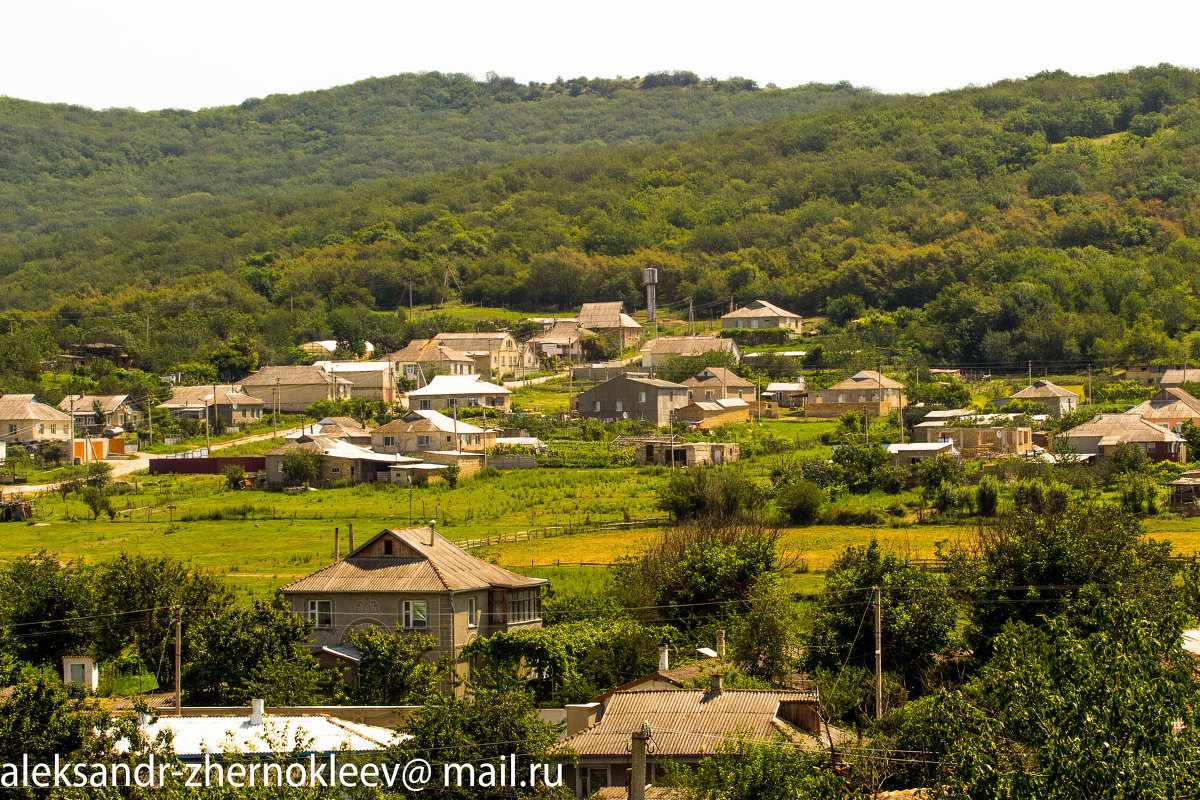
x: 256, y: 712
x: 432, y: 522
x: 337, y: 545
x: 582, y: 715
x: 720, y: 644
x: 716, y: 683
x: 350, y: 549
x: 664, y: 658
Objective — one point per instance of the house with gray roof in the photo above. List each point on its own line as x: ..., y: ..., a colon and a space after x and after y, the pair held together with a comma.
x: 295, y: 388
x: 1054, y: 399
x: 24, y: 419
x: 611, y: 321
x: 633, y: 396
x: 657, y: 352
x: 761, y: 314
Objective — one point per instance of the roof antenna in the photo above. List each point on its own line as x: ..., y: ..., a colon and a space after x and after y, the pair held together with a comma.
x: 432, y: 522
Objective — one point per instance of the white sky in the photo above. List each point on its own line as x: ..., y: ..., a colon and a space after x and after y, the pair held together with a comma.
x: 189, y: 54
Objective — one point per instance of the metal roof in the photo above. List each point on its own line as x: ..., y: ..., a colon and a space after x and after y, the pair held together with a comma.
x: 86, y: 402
x: 689, y: 345
x: 757, y: 309
x: 605, y: 316
x: 1122, y: 428
x: 457, y: 385
x: 24, y: 406
x: 419, y: 566
x: 315, y: 733
x: 422, y: 421
x: 867, y: 379
x: 291, y: 376
x: 1041, y: 390
x: 688, y: 722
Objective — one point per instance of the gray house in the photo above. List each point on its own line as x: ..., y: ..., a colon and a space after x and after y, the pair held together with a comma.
x: 413, y: 580
x: 633, y: 396
x: 1050, y: 396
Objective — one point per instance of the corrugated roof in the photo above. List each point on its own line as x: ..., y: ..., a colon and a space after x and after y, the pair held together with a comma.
x: 759, y: 308
x: 717, y: 376
x: 315, y: 733
x: 422, y: 350
x: 688, y: 345
x: 86, y: 402
x: 334, y: 367
x: 1122, y: 428
x: 688, y: 722
x: 785, y: 387
x: 423, y: 567
x: 457, y: 385
x: 421, y: 421
x: 336, y: 448
x: 563, y: 331
x: 603, y: 316
x: 291, y: 376
x: 652, y: 793
x: 486, y: 342
x: 198, y: 396
x: 867, y: 379
x: 1170, y: 403
x: 24, y: 406
x: 1178, y: 375
x: 1041, y: 390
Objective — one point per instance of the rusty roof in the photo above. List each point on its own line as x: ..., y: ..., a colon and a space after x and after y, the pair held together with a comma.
x: 687, y: 722
x: 418, y: 566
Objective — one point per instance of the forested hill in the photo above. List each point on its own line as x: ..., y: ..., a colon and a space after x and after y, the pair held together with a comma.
x: 61, y: 166
x: 1053, y: 218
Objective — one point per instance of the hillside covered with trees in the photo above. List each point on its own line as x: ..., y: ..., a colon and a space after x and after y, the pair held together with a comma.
x: 1052, y: 219
x: 65, y: 166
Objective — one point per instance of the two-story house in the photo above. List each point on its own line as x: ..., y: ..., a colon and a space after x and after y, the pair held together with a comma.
x: 633, y: 396
x: 610, y: 321
x: 496, y: 353
x: 458, y: 391
x: 867, y: 391
x: 422, y: 431
x: 416, y: 580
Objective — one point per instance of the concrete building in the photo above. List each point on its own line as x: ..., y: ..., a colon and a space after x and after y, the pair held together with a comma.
x: 421, y: 359
x: 867, y: 391
x: 1105, y: 432
x: 496, y: 353
x: 1052, y: 398
x: 421, y: 431
x: 657, y: 352
x: 786, y: 394
x: 663, y: 453
x: 459, y: 391
x: 295, y: 388
x: 369, y: 380
x: 719, y: 383
x: 912, y: 453
x: 234, y: 407
x: 760, y: 315
x: 982, y: 442
x: 24, y: 419
x: 563, y: 340
x: 117, y: 410
x: 414, y: 579
x: 340, y: 461
x: 632, y: 396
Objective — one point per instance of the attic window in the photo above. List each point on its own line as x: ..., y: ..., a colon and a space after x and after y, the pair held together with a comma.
x: 387, y: 547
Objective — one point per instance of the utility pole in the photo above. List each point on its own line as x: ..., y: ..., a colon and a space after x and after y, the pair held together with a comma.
x: 878, y: 654
x: 275, y: 411
x: 1090, y: 385
x: 691, y: 318
x: 1031, y: 372
x: 637, y: 772
x: 178, y: 611
x: 73, y: 429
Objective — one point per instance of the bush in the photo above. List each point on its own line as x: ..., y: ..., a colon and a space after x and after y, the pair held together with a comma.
x: 451, y: 473
x: 987, y: 496
x: 847, y: 515
x: 801, y: 501
x: 709, y: 492
x: 235, y: 476
x: 758, y: 336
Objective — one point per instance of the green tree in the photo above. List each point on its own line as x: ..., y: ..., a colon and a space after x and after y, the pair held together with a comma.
x: 394, y: 669
x: 765, y: 638
x: 745, y: 769
x: 96, y: 501
x: 301, y: 465
x: 801, y: 501
x: 235, y: 476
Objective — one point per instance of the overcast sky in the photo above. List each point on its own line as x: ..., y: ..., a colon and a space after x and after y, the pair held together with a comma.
x: 187, y: 54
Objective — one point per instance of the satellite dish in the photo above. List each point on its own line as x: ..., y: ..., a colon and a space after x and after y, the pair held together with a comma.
x: 624, y: 415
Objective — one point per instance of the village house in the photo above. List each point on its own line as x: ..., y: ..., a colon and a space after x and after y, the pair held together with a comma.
x: 786, y: 394
x: 421, y: 359
x: 867, y: 391
x: 707, y: 661
x: 981, y: 442
x: 339, y: 461
x: 24, y: 419
x: 459, y: 391
x: 293, y: 389
x: 1169, y: 407
x: 232, y: 406
x: 563, y: 340
x: 496, y: 353
x: 413, y: 580
x: 117, y: 410
x: 632, y: 396
x: 420, y: 431
x: 720, y: 383
x: 1105, y: 432
x: 610, y: 321
x: 686, y: 726
x: 660, y: 451
x: 657, y: 352
x: 325, y: 348
x: 760, y: 315
x: 594, y: 373
x: 368, y: 380
x: 910, y: 454
x: 708, y: 414
x: 1052, y: 398
x: 1145, y: 374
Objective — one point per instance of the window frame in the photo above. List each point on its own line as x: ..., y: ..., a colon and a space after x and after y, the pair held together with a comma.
x: 409, y: 618
x: 315, y: 614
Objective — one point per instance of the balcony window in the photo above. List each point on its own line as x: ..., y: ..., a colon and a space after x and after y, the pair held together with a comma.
x: 415, y: 615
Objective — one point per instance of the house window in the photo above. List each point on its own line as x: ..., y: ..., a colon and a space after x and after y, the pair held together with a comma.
x: 53, y: 428
x: 41, y: 427
x: 708, y: 395
x: 424, y: 405
x: 592, y: 780
x: 389, y: 441
x: 415, y: 614
x: 13, y: 428
x: 320, y: 613
x: 595, y: 408
x: 387, y: 547
x: 335, y: 470
x: 641, y: 397
x: 620, y: 406
x: 472, y: 613
x: 449, y: 438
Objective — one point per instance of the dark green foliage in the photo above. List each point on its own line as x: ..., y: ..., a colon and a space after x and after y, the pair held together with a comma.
x: 744, y: 769
x: 918, y: 615
x: 801, y: 501
x: 987, y: 496
x: 766, y: 636
x: 709, y: 493
x: 393, y: 670
x: 301, y: 466
x: 866, y: 467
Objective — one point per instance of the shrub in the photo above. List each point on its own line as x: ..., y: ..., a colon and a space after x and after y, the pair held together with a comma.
x: 709, y: 492
x: 847, y: 515
x: 235, y: 476
x: 987, y: 496
x: 451, y: 473
x: 801, y: 501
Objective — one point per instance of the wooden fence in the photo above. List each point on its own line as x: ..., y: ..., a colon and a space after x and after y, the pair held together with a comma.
x: 551, y: 531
